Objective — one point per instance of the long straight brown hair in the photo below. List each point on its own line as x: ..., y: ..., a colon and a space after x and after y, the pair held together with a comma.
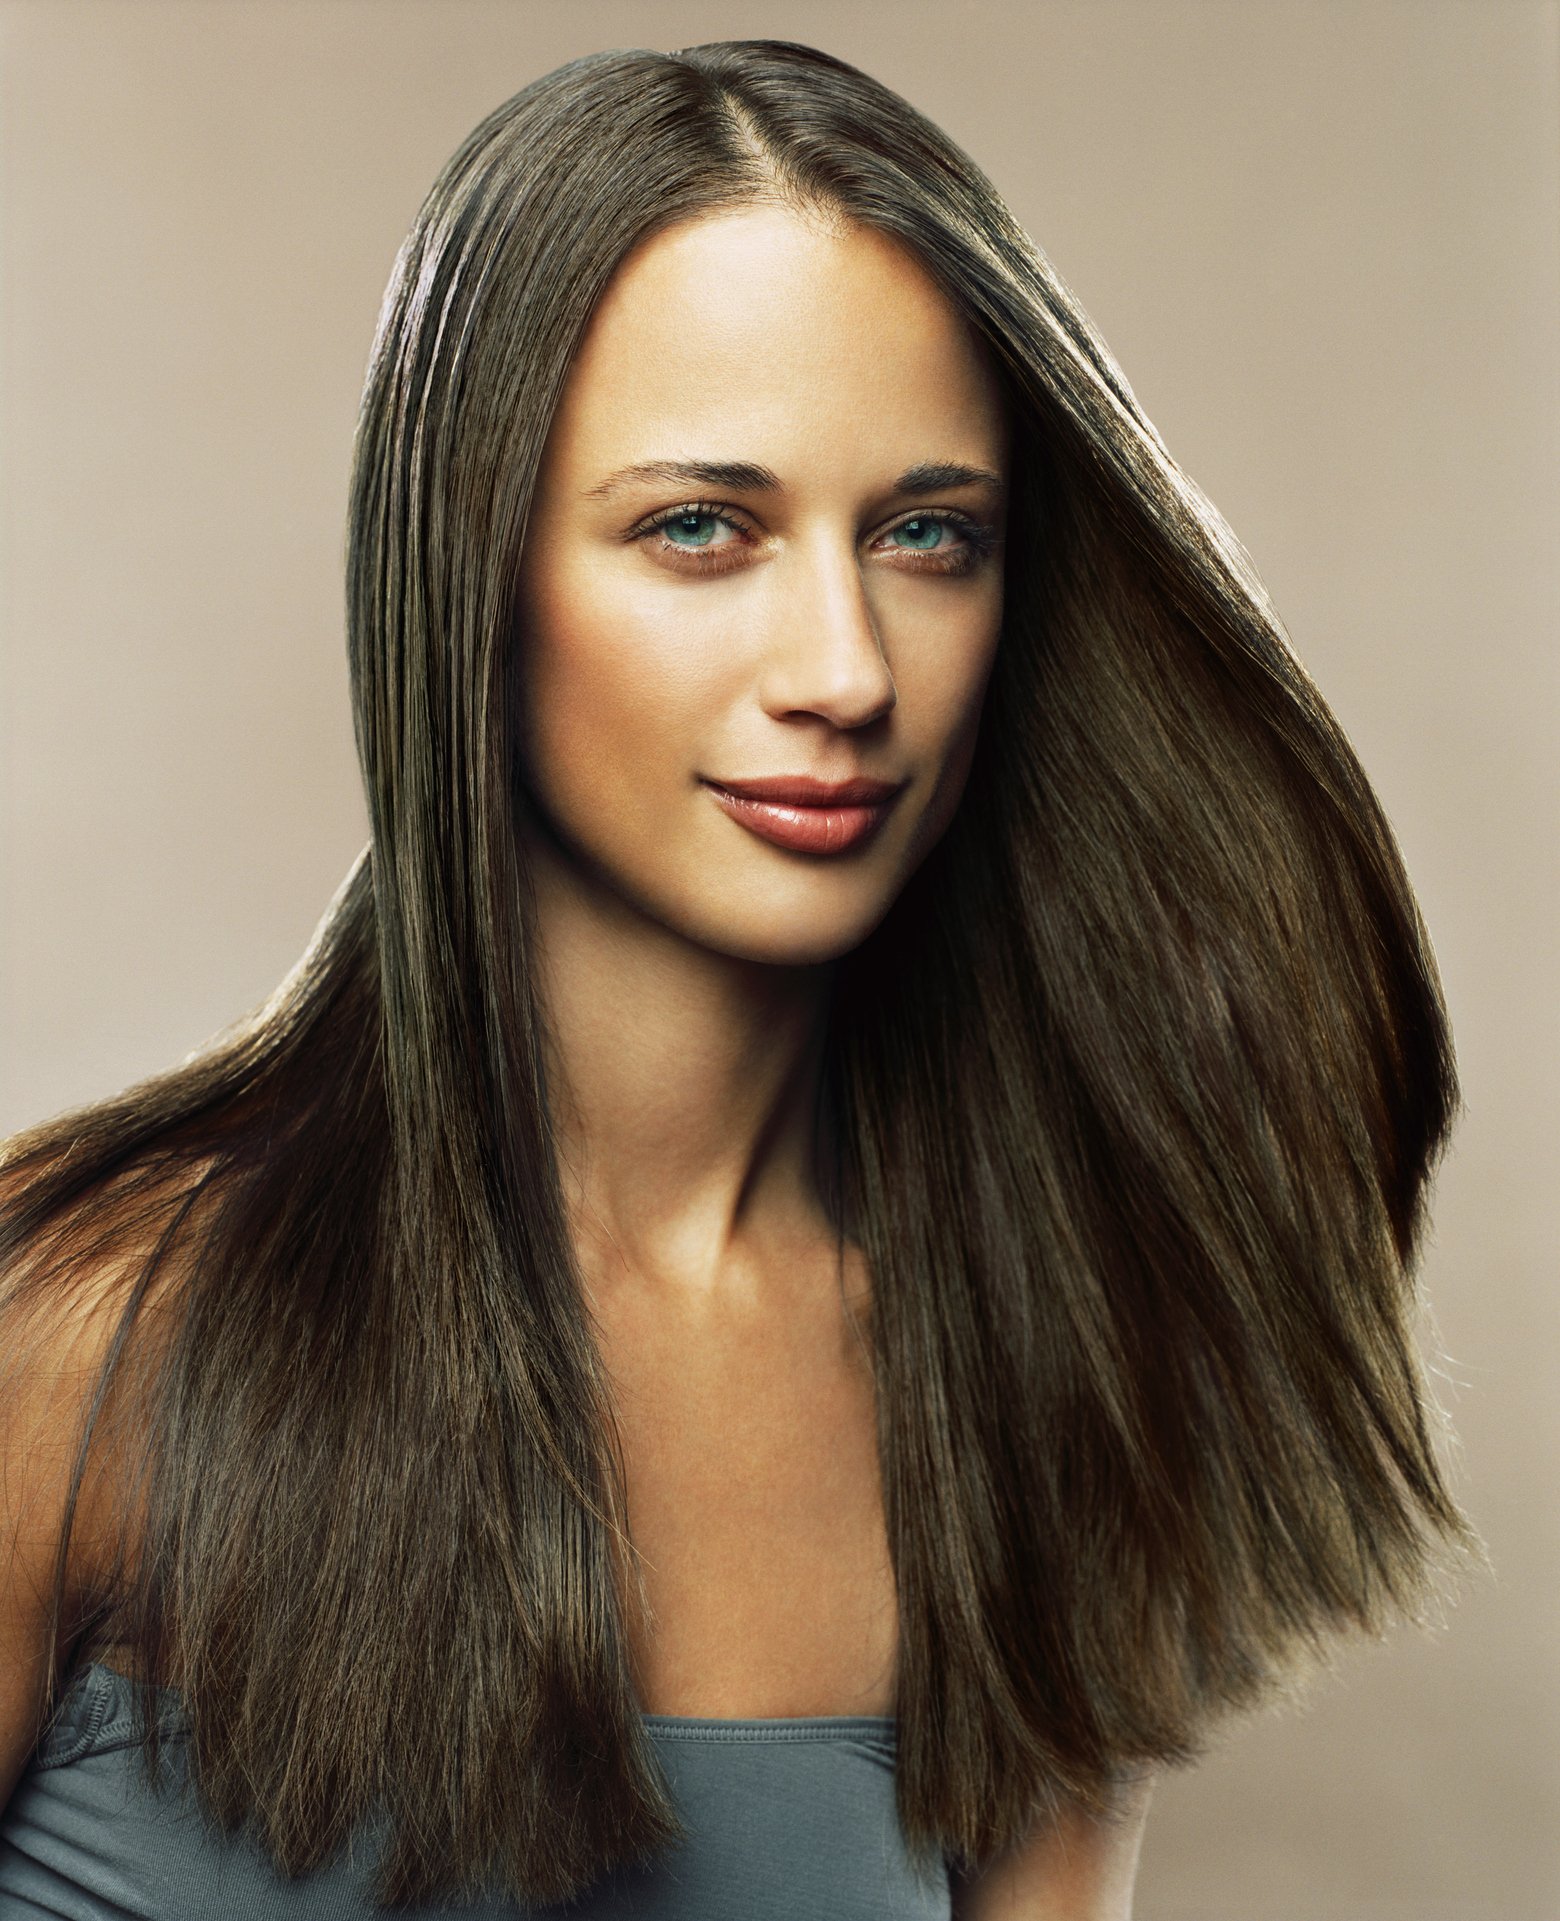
x: 1132, y: 1100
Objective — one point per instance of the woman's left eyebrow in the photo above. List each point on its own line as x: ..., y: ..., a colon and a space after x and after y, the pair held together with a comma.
x: 928, y: 477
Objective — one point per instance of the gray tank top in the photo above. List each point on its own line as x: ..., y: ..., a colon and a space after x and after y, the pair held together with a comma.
x: 784, y: 1818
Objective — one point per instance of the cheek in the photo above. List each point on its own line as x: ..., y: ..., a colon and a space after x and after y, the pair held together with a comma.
x: 942, y: 693
x: 613, y: 692
x: 944, y: 658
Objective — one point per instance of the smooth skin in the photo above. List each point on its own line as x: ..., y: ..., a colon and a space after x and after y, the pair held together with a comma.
x: 823, y: 612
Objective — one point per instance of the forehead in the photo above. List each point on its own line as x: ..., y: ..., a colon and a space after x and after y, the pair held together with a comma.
x: 765, y: 333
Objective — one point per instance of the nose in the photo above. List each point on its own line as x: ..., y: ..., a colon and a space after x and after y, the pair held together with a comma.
x: 827, y: 654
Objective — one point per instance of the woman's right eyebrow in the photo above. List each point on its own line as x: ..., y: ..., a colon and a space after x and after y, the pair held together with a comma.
x: 734, y: 474
x: 928, y: 477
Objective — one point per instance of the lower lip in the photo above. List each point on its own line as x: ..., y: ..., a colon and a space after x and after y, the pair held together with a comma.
x: 806, y: 830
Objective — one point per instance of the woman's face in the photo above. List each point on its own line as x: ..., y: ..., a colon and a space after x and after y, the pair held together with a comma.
x: 765, y: 543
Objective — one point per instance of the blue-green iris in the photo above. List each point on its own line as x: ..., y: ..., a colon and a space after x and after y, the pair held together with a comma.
x: 679, y: 525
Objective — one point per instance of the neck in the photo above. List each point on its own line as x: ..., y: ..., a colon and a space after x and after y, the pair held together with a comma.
x: 682, y: 1086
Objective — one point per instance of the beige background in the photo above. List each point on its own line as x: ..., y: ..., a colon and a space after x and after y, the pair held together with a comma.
x: 1322, y: 239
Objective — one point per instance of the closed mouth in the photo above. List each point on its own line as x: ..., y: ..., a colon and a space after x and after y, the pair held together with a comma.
x: 808, y: 817
x: 800, y: 790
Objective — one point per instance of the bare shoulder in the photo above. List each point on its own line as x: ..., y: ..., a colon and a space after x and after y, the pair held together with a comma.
x: 1078, y: 1866
x: 61, y: 1315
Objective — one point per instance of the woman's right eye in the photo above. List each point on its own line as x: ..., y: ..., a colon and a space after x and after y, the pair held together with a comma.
x: 689, y: 534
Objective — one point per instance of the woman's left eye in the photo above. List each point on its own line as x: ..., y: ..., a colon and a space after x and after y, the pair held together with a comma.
x: 956, y: 544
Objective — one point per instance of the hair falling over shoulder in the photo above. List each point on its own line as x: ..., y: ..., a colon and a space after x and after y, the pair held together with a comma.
x: 1136, y: 1094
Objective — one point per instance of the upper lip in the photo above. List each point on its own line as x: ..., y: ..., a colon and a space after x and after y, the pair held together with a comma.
x: 802, y: 790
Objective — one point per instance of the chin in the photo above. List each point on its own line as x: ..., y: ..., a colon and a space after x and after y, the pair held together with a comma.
x: 792, y: 940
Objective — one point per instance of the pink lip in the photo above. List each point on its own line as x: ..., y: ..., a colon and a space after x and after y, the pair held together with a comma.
x: 806, y: 815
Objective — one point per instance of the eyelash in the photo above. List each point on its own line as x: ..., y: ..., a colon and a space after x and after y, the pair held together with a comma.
x: 979, y: 541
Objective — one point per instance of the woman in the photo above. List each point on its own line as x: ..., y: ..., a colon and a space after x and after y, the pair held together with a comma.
x: 811, y: 1276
